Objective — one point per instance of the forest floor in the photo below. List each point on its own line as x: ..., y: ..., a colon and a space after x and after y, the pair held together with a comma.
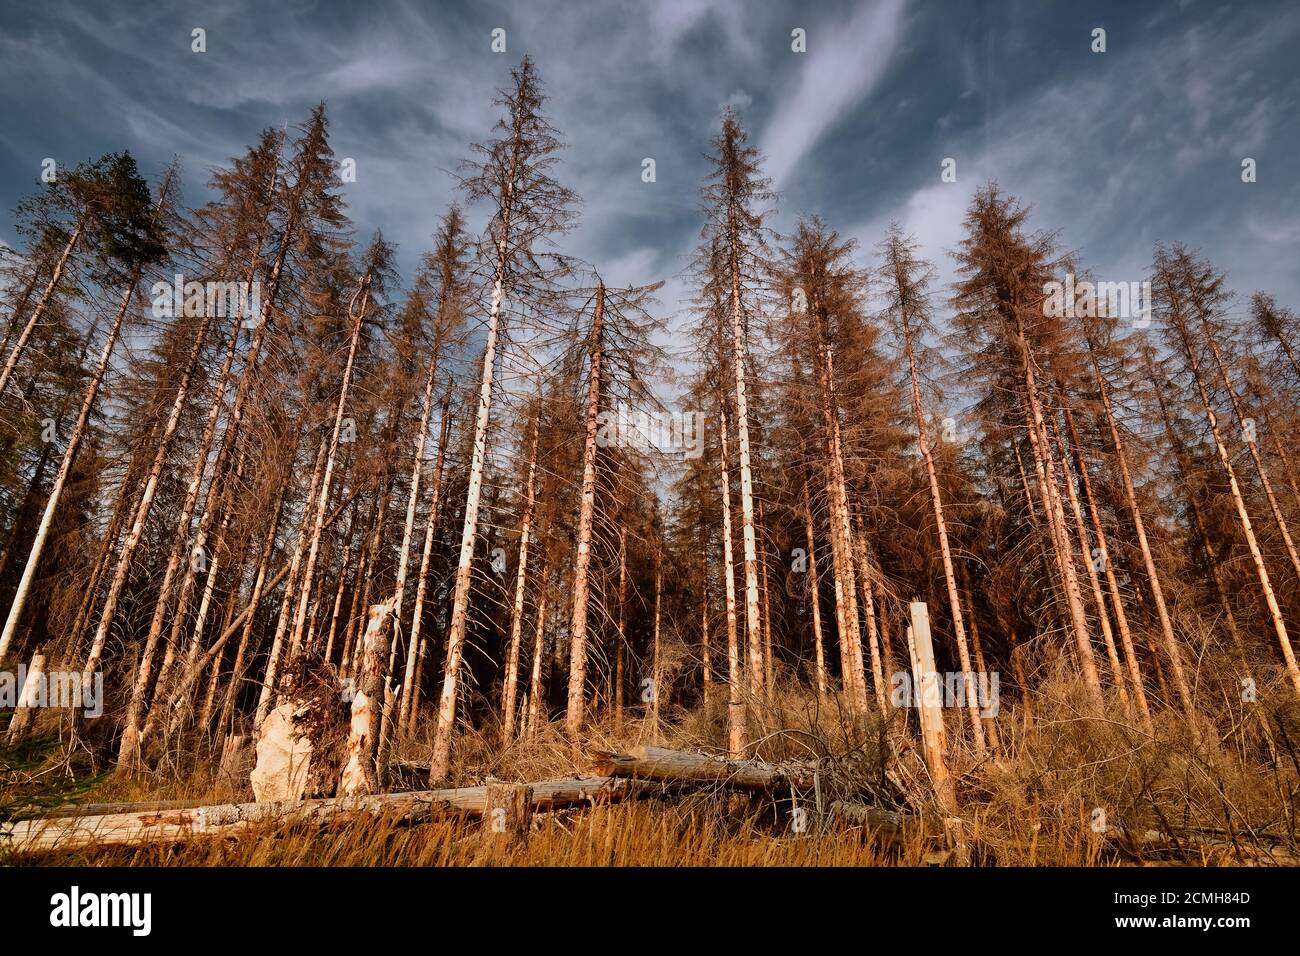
x: 1059, y: 789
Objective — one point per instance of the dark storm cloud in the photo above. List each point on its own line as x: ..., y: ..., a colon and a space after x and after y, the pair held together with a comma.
x: 1117, y: 150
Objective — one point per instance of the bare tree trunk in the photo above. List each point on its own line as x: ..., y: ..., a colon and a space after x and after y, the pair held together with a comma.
x: 753, y: 632
x: 254, y: 599
x: 341, y: 584
x: 355, y: 607
x: 945, y: 550
x: 582, y: 564
x: 413, y: 498
x: 656, y: 665
x: 869, y: 613
x: 415, y: 653
x: 1081, y: 532
x: 735, y: 705
x: 214, y: 678
x: 136, y: 532
x: 768, y: 663
x: 931, y: 714
x: 128, y: 749
x: 267, y: 695
x: 510, y: 685
x: 621, y: 634
x: 28, y: 699
x: 990, y: 723
x: 814, y: 596
x: 412, y: 502
x: 1252, y: 445
x: 535, y: 675
x: 441, y: 761
x: 706, y: 649
x: 20, y: 305
x: 846, y: 602
x: 1199, y: 525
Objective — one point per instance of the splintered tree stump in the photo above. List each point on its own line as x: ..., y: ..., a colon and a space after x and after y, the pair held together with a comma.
x: 927, y: 689
x: 508, y: 812
x: 28, y: 699
x: 360, y: 774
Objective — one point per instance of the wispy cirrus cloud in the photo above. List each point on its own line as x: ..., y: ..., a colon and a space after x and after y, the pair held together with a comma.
x: 850, y: 61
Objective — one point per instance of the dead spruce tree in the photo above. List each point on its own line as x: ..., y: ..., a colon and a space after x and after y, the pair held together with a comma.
x: 905, y: 278
x: 129, y: 243
x: 512, y: 173
x: 619, y: 361
x: 441, y: 288
x: 1000, y: 311
x: 734, y: 199
x: 1186, y: 291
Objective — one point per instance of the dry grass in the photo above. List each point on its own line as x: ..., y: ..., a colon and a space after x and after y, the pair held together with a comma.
x: 1227, y: 794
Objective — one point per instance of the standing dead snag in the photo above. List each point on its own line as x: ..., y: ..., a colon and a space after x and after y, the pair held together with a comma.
x: 418, y: 639
x: 360, y: 774
x: 510, y: 686
x: 927, y: 695
x: 447, y: 263
x: 737, y: 184
x: 618, y: 352
x: 514, y: 175
x: 735, y: 704
x: 534, y: 705
x: 908, y: 277
x: 814, y: 598
x: 586, y: 512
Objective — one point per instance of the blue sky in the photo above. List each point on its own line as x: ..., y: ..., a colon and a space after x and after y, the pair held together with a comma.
x: 1116, y: 150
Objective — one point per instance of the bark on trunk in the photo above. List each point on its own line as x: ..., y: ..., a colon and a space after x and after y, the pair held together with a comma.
x: 735, y: 703
x: 581, y: 586
x: 360, y: 775
x: 510, y: 684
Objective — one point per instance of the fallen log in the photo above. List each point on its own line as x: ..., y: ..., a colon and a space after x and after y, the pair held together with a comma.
x: 676, y: 766
x: 230, y: 819
x: 104, y: 809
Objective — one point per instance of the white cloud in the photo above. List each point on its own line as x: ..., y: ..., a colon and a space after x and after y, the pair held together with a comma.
x: 843, y: 64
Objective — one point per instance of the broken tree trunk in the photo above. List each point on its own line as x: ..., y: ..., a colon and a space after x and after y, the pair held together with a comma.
x: 28, y: 699
x: 359, y: 774
x: 927, y: 692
